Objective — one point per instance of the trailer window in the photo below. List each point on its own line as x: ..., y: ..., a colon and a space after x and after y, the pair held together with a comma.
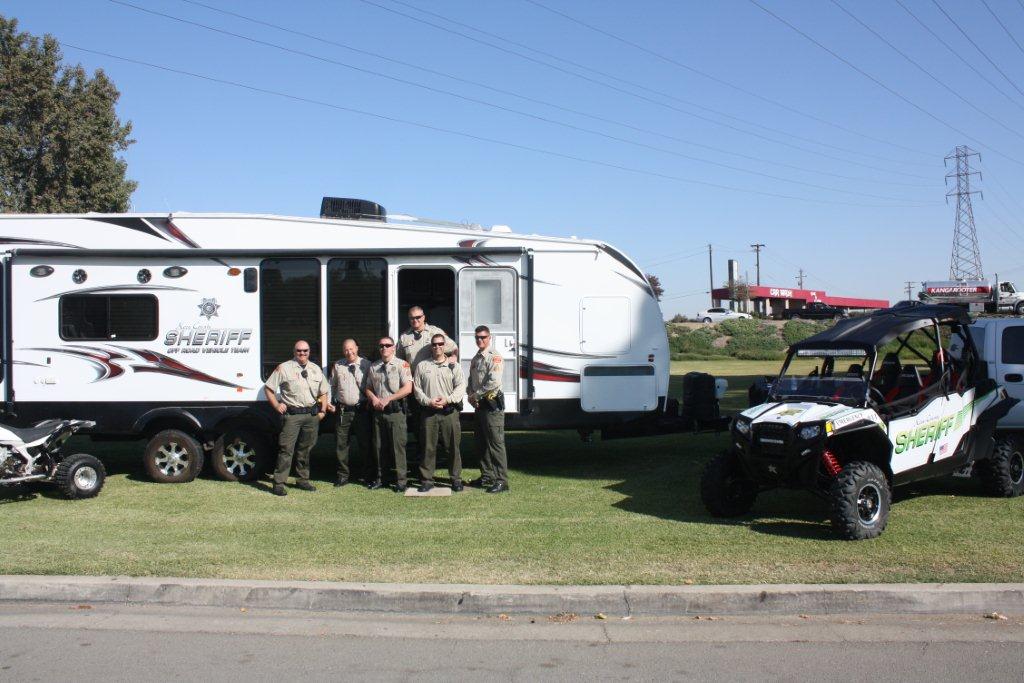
x: 99, y: 317
x: 356, y: 304
x: 289, y: 310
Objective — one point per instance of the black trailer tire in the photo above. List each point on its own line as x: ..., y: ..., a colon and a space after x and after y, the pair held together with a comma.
x: 173, y: 457
x: 860, y: 498
x: 79, y: 476
x: 795, y: 316
x: 240, y: 454
x: 724, y: 487
x: 1002, y: 475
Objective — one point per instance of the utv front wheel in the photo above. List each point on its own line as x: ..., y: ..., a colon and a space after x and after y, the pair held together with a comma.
x: 79, y: 476
x: 725, y: 488
x: 860, y: 501
x: 1002, y: 475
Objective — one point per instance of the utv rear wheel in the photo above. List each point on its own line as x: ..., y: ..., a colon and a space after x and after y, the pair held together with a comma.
x: 725, y: 488
x: 173, y: 457
x: 1002, y: 475
x: 860, y: 501
x: 79, y: 476
x: 240, y: 455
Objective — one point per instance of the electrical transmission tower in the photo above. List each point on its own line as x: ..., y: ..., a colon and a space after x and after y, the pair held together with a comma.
x: 965, y: 261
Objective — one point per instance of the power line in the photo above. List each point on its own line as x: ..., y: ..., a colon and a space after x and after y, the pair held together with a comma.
x: 716, y: 79
x: 458, y: 133
x: 958, y: 55
x: 499, y: 107
x: 535, y: 100
x: 977, y: 47
x: 641, y: 87
x: 878, y: 82
x: 1003, y: 26
x: 923, y: 70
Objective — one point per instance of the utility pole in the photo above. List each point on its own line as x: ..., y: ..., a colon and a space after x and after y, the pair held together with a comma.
x: 965, y: 261
x: 800, y: 279
x: 757, y: 251
x: 711, y: 277
x: 909, y: 288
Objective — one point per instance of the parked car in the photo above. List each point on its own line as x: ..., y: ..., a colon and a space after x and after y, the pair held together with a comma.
x: 883, y: 405
x: 717, y: 315
x: 815, y: 310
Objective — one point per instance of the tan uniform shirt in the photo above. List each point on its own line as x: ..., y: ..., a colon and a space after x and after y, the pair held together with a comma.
x: 439, y: 380
x: 348, y: 381
x: 298, y: 391
x: 387, y: 378
x: 418, y: 350
x: 485, y: 372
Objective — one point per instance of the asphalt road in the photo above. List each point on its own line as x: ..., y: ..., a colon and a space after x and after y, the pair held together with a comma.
x: 93, y: 642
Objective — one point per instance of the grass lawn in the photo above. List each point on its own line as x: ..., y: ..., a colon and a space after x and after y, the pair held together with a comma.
x: 605, y: 512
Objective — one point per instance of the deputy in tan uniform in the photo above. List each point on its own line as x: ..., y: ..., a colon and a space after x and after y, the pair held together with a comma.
x: 414, y: 343
x: 348, y: 400
x: 439, y: 388
x: 488, y: 401
x: 303, y: 389
x: 389, y: 383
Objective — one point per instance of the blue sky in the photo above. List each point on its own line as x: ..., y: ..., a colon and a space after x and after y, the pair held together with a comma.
x: 857, y: 198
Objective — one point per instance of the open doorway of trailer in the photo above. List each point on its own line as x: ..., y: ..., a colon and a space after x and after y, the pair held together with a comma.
x: 432, y: 289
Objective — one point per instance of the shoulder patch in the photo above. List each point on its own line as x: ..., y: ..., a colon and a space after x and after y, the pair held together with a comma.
x: 497, y: 359
x: 405, y: 364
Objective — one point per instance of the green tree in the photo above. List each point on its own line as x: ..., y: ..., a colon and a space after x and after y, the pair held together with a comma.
x: 656, y: 287
x: 59, y: 133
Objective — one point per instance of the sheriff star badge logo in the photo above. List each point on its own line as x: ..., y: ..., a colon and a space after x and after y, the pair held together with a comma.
x: 208, y: 309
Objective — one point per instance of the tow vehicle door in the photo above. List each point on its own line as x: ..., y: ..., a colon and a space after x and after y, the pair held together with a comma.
x: 5, y: 330
x: 487, y: 296
x: 1006, y: 367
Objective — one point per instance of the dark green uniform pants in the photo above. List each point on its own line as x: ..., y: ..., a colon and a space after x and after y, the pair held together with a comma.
x: 389, y: 435
x: 446, y: 428
x: 490, y: 444
x: 298, y: 436
x: 355, y: 424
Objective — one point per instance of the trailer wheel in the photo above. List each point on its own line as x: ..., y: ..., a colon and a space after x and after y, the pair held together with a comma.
x: 173, y: 457
x: 1002, y: 474
x: 79, y: 476
x: 240, y: 455
x: 725, y: 489
x: 860, y: 501
x: 795, y: 316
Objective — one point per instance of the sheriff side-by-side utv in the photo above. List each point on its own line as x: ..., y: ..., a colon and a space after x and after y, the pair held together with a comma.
x: 874, y: 402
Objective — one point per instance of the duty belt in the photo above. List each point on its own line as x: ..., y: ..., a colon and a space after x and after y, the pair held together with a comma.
x: 447, y: 410
x: 396, y: 407
x: 303, y: 410
x: 350, y: 409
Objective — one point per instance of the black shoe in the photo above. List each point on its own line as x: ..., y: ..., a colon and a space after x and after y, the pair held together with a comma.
x: 457, y: 486
x: 481, y: 483
x: 339, y: 482
x: 425, y: 487
x: 500, y: 487
x: 279, y: 490
x: 400, y: 488
x: 375, y: 484
x: 305, y: 486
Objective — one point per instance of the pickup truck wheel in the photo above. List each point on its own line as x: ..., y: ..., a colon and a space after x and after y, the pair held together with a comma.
x: 1002, y: 475
x: 860, y: 500
x: 79, y: 476
x: 1019, y: 308
x: 724, y: 487
x: 173, y: 457
x: 240, y: 455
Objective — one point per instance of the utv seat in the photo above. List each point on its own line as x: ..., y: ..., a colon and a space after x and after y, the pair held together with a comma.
x: 887, y: 379
x: 910, y: 382
x: 30, y: 434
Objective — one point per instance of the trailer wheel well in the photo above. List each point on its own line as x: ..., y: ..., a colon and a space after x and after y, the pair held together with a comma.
x: 149, y: 426
x: 250, y: 420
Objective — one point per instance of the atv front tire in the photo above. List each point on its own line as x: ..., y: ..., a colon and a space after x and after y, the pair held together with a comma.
x: 1002, y: 475
x: 860, y: 499
x: 725, y: 488
x: 79, y: 476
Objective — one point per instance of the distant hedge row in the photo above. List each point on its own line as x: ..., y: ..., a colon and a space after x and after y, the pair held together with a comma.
x: 744, y: 339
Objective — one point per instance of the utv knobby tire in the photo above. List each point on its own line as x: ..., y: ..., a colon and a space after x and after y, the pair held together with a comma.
x: 1002, y: 475
x: 860, y: 499
x: 79, y: 476
x: 724, y: 487
x: 240, y: 455
x: 173, y: 457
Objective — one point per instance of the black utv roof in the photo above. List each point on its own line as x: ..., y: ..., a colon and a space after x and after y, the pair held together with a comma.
x: 871, y: 331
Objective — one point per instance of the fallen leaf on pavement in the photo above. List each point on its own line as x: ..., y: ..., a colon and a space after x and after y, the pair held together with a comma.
x: 628, y: 618
x: 996, y: 616
x: 504, y: 617
x: 563, y: 617
x: 82, y: 607
x: 600, y: 615
x: 701, y: 617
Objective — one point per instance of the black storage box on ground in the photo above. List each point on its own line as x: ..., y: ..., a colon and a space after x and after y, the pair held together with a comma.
x: 759, y: 391
x: 700, y: 404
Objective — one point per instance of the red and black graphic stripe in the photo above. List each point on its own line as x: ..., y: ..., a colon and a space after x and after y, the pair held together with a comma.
x: 31, y: 241
x: 165, y: 365
x: 547, y: 373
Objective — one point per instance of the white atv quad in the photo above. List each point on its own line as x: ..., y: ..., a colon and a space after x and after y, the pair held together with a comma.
x: 34, y: 454
x: 872, y: 403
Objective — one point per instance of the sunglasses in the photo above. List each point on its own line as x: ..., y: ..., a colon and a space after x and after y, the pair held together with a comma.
x: 415, y: 317
x: 386, y: 346
x: 483, y: 336
x: 437, y: 343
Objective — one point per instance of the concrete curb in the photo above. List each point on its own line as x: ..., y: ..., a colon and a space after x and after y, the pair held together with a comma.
x: 474, y: 599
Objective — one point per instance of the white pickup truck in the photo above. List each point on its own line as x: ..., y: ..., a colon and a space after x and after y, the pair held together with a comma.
x: 1000, y: 344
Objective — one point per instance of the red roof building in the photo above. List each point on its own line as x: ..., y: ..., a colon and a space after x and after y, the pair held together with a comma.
x: 773, y: 300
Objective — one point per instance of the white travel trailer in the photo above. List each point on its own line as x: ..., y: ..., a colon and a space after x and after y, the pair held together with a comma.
x: 164, y: 327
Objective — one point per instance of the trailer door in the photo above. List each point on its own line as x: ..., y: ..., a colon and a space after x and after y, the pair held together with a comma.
x: 5, y: 331
x: 487, y: 296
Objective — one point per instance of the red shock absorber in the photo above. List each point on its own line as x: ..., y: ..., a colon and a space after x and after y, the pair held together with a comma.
x: 831, y: 463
